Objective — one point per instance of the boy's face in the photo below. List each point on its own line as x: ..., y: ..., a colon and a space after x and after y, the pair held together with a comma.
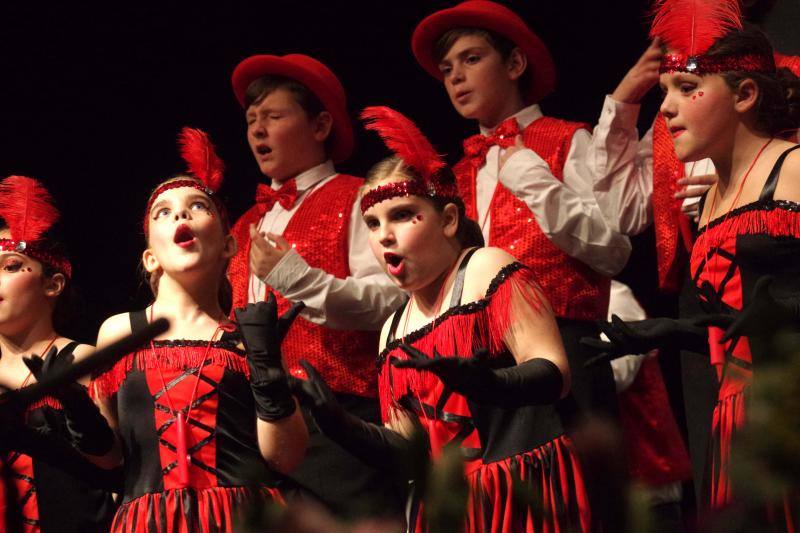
x: 284, y: 141
x: 480, y: 84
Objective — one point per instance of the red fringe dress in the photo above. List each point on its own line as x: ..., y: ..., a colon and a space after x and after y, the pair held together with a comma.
x: 46, y: 485
x: 504, y: 449
x: 226, y: 469
x: 731, y: 253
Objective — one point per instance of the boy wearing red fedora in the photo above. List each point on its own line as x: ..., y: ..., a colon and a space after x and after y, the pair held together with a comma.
x: 304, y: 240
x: 524, y: 177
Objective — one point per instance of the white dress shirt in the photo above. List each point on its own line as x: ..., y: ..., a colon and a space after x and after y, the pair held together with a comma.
x: 622, y: 168
x: 362, y: 301
x: 567, y: 212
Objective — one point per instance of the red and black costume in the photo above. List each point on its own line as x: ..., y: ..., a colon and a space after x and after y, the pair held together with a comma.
x: 731, y: 253
x: 502, y: 446
x: 226, y: 468
x: 54, y: 487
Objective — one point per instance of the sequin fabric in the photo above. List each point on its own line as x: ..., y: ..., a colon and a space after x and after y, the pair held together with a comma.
x: 318, y: 232
x: 702, y: 64
x: 666, y: 208
x: 574, y: 290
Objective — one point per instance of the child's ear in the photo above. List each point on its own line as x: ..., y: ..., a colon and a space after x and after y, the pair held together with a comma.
x: 516, y: 64
x: 450, y: 220
x: 322, y: 126
x: 230, y: 247
x: 149, y: 261
x: 54, y: 285
x: 746, y: 95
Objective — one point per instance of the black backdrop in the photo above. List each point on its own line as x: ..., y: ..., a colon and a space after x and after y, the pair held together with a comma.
x: 91, y: 99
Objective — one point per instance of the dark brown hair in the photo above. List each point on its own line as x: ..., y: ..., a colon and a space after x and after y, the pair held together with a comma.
x: 503, y: 46
x: 265, y: 85
x: 777, y: 108
x: 468, y: 233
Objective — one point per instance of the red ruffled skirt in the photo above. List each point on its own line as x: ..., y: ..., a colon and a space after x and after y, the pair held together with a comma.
x: 540, y: 491
x: 189, y: 510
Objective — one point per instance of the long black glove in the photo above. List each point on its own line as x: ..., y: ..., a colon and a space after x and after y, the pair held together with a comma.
x: 534, y: 382
x: 375, y: 445
x: 262, y: 334
x: 88, y: 429
x: 642, y: 336
x: 765, y: 314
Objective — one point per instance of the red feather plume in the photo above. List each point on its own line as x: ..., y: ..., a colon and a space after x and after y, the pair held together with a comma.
x: 692, y: 26
x: 27, y: 208
x: 403, y: 138
x: 201, y: 157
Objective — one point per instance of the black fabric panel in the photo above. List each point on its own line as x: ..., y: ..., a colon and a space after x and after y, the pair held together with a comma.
x: 239, y: 460
x: 348, y: 487
x: 700, y: 389
x: 508, y: 432
x: 140, y: 441
x: 593, y: 391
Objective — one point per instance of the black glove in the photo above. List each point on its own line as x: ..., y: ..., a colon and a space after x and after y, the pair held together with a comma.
x: 375, y: 445
x: 262, y: 334
x: 642, y: 336
x: 534, y: 382
x: 764, y: 314
x: 88, y: 429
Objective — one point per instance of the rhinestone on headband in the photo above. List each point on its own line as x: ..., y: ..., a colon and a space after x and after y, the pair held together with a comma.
x: 702, y: 64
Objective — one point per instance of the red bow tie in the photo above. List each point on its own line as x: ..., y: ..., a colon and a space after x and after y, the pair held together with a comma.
x: 266, y: 196
x: 475, y: 147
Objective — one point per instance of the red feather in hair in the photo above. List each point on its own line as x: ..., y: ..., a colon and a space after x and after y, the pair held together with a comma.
x: 692, y: 26
x: 403, y: 138
x: 26, y: 207
x: 201, y: 158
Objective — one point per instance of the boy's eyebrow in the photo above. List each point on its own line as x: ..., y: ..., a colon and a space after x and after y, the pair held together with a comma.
x: 464, y: 52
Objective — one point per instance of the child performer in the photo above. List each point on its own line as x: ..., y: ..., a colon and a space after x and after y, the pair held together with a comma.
x: 726, y: 100
x: 34, y: 272
x: 202, y: 423
x: 297, y: 128
x: 474, y: 358
x: 521, y: 177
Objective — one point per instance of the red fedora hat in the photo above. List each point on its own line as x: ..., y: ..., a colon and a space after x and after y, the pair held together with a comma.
x: 486, y: 15
x: 316, y: 77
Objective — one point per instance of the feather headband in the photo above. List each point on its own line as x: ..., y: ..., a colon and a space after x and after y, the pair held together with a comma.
x: 403, y: 137
x: 28, y: 211
x: 690, y: 27
x: 203, y: 163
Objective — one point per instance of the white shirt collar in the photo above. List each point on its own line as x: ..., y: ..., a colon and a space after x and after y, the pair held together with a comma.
x: 308, y: 178
x: 524, y: 117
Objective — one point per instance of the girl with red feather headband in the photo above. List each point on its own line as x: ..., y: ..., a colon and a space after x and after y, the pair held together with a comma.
x: 474, y: 359
x: 203, y: 413
x: 724, y: 99
x: 39, y: 449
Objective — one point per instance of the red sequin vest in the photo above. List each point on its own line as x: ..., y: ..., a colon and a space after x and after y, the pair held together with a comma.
x: 574, y: 290
x: 318, y: 231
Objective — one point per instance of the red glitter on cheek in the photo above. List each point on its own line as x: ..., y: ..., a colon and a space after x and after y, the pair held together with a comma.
x: 700, y: 93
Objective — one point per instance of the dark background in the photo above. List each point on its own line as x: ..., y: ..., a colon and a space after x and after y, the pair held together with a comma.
x: 91, y: 100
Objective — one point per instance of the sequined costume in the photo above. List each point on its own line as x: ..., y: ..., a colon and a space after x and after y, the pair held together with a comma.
x: 501, y: 446
x: 226, y: 469
x: 55, y: 489
x: 731, y: 253
x: 578, y: 294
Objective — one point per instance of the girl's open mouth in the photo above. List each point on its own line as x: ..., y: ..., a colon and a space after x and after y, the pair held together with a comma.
x: 184, y: 236
x: 394, y: 263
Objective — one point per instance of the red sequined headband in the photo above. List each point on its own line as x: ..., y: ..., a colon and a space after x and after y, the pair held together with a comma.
x: 57, y: 262
x: 702, y: 64
x: 406, y: 188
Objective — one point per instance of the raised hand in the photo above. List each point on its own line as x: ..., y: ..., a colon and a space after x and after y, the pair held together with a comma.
x: 88, y: 429
x: 641, y: 77
x: 262, y: 334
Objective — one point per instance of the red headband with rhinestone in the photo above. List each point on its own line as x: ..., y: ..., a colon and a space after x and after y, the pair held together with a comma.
x: 28, y: 211
x: 690, y: 27
x: 406, y: 140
